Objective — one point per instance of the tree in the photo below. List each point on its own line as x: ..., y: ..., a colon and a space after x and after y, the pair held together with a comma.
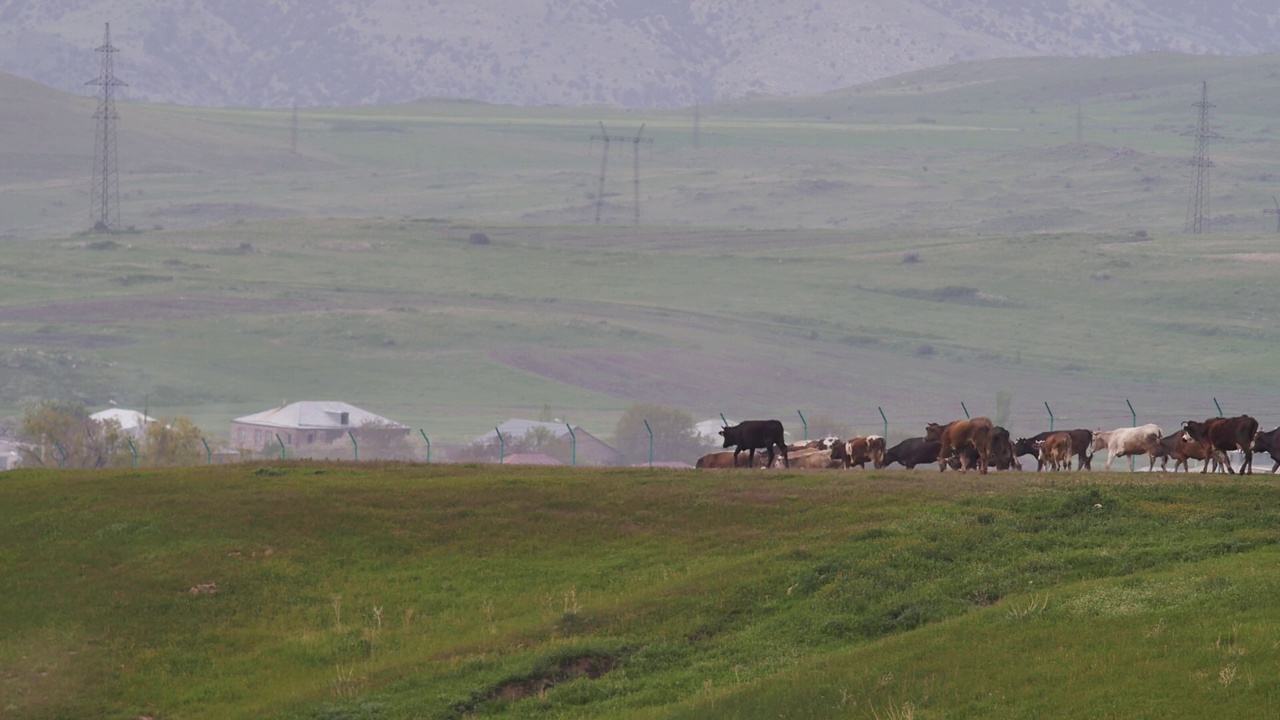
x: 54, y: 428
x: 1004, y: 400
x: 674, y: 435
x: 171, y: 442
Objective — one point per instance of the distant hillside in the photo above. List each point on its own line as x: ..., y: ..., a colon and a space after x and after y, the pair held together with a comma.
x: 623, y: 52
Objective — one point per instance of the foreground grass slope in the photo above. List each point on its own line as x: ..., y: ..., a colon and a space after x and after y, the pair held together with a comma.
x: 450, y: 591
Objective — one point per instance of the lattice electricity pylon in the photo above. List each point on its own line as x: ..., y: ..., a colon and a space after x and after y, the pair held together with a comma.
x: 604, y: 164
x: 1198, y: 204
x: 104, y: 209
x: 1275, y: 212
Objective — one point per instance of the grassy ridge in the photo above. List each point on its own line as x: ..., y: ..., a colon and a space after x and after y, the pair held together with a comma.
x: 409, y: 591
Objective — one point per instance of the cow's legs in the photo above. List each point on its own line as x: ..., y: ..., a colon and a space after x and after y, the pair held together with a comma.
x: 1248, y: 460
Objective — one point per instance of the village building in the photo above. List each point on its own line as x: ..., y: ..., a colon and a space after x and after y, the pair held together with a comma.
x: 131, y: 422
x: 314, y: 423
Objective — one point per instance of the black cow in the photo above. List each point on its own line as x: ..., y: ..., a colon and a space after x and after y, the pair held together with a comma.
x: 1226, y: 434
x: 1080, y: 447
x: 912, y: 452
x: 752, y: 434
x: 1269, y: 443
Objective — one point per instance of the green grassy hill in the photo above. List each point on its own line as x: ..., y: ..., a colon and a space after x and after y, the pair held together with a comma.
x: 909, y: 245
x: 395, y: 591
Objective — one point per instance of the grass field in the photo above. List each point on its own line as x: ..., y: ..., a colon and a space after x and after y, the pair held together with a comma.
x: 399, y: 591
x: 768, y: 274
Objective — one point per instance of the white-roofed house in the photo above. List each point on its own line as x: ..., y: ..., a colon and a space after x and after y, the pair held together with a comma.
x: 319, y: 428
x: 132, y: 422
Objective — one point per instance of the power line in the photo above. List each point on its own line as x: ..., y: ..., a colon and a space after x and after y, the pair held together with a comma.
x: 636, y: 140
x: 1198, y: 205
x: 104, y: 210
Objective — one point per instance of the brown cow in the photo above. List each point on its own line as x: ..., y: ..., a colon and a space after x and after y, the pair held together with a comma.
x: 955, y: 436
x: 1055, y: 451
x: 724, y: 461
x: 1227, y: 434
x: 859, y: 451
x: 1184, y: 449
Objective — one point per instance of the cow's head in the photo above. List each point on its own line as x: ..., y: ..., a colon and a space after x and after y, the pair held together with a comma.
x: 933, y: 432
x: 1193, y: 429
x: 1024, y: 446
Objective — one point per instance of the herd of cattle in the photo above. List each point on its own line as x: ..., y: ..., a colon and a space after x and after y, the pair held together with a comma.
x: 981, y: 444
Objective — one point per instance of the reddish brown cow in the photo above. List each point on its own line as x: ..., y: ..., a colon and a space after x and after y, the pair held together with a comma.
x: 1055, y: 451
x: 955, y: 436
x: 1227, y: 434
x: 1184, y: 449
x: 859, y: 451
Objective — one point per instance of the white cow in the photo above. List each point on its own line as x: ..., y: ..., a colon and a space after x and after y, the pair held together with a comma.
x: 1144, y: 439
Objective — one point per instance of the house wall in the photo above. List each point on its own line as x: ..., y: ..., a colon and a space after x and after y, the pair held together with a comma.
x: 248, y: 435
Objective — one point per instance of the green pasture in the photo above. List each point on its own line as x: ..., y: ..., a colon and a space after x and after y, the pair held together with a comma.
x: 405, y: 591
x: 907, y: 245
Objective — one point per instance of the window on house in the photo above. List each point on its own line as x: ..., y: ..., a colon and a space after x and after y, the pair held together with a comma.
x: 342, y: 419
x: 311, y: 438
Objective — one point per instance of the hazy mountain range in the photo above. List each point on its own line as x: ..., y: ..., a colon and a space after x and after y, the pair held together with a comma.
x: 273, y: 53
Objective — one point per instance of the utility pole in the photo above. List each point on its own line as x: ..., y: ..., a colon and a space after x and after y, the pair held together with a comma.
x: 1198, y: 204
x: 104, y: 196
x: 636, y: 140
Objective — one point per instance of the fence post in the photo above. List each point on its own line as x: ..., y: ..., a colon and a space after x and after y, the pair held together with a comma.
x: 208, y: 453
x: 726, y: 422
x: 805, y: 423
x: 502, y: 447
x: 424, y: 437
x: 354, y: 444
x: 133, y: 449
x: 965, y: 409
x: 573, y: 437
x: 282, y: 452
x: 1046, y: 407
x: 646, y: 427
x: 1215, y: 404
x: 886, y: 423
x: 62, y: 454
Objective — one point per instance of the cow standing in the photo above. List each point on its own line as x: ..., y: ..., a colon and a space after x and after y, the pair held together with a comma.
x: 911, y: 452
x: 1081, y: 442
x: 1055, y: 451
x: 1141, y: 440
x: 1227, y: 434
x: 752, y: 434
x: 955, y: 436
x: 1269, y: 443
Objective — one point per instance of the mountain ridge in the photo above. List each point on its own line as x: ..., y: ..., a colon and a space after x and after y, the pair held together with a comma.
x: 630, y: 53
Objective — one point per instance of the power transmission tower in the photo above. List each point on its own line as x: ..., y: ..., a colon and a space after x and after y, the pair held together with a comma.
x: 104, y: 209
x: 636, y: 140
x: 1275, y: 212
x: 1198, y: 205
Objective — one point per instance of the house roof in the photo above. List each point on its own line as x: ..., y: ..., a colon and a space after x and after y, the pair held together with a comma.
x: 316, y: 415
x: 128, y: 419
